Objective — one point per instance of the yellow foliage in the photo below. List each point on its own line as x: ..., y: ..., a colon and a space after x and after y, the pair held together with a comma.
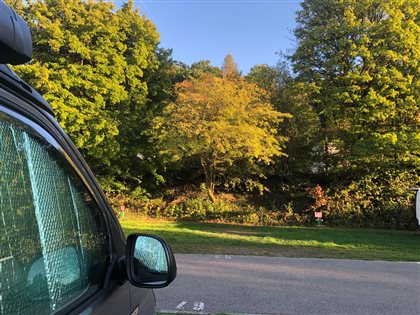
x: 221, y: 121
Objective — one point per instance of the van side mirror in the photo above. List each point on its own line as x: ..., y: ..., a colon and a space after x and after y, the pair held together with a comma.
x: 150, y: 261
x: 15, y: 37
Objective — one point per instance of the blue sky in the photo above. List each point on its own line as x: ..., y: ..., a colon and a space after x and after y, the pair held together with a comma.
x: 252, y: 31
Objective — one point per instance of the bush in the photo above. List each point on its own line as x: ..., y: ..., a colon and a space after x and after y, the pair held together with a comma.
x: 375, y: 201
x: 378, y: 200
x: 197, y: 207
x: 133, y: 199
x: 131, y: 204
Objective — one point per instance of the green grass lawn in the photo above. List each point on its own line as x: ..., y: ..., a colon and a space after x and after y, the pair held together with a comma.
x: 214, y: 238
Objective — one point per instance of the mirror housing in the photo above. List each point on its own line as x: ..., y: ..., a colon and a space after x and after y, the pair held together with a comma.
x: 150, y: 261
x: 15, y: 37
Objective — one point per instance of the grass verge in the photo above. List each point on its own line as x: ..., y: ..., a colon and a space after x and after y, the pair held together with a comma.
x: 214, y: 238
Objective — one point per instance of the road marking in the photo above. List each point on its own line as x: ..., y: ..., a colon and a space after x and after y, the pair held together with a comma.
x: 181, y: 305
x: 198, y: 306
x: 228, y: 257
x: 136, y: 310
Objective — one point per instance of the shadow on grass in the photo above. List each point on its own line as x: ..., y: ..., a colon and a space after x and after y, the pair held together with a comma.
x: 188, y: 237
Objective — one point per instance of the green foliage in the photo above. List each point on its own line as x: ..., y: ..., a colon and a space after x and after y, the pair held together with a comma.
x: 146, y: 122
x: 196, y: 206
x: 139, y: 158
x: 89, y: 64
x: 274, y: 80
x: 379, y: 200
x: 200, y: 208
x: 362, y: 57
x: 376, y: 201
x: 301, y: 129
x: 204, y: 66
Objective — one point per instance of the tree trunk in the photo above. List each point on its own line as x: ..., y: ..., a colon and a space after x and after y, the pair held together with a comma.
x: 210, y: 176
x: 211, y: 195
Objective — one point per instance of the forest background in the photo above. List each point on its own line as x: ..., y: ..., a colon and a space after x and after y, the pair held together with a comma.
x: 333, y: 127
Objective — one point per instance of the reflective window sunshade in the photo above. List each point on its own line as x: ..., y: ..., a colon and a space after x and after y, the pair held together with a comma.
x: 52, y: 234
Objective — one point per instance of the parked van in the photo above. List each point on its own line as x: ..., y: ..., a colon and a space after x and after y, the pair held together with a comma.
x: 62, y: 249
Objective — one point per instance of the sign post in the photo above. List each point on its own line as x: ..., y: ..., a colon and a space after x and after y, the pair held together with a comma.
x: 122, y: 212
x: 318, y: 216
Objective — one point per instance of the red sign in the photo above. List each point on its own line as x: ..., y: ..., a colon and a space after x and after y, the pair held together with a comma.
x: 318, y: 214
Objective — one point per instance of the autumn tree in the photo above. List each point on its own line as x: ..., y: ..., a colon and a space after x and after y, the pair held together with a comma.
x: 223, y: 124
x: 362, y: 60
x: 230, y: 67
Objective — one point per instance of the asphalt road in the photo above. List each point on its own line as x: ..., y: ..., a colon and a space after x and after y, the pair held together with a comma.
x: 276, y: 285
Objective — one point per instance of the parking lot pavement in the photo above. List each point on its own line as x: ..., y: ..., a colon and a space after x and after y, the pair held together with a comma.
x: 277, y: 285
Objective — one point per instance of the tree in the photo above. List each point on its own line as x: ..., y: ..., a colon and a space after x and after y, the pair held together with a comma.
x: 89, y: 63
x: 274, y: 80
x: 222, y: 123
x: 204, y: 66
x: 230, y: 68
x: 141, y: 158
x: 301, y: 129
x: 362, y: 60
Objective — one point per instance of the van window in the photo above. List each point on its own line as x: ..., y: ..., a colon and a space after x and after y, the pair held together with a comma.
x: 53, y: 248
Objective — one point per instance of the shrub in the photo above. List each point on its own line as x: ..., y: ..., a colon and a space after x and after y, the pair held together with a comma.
x: 378, y: 201
x: 131, y: 204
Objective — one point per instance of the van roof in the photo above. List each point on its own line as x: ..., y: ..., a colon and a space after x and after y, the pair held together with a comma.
x: 17, y: 86
x: 15, y: 37
x: 15, y: 49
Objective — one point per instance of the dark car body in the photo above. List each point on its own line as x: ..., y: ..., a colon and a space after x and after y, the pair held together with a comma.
x: 62, y: 249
